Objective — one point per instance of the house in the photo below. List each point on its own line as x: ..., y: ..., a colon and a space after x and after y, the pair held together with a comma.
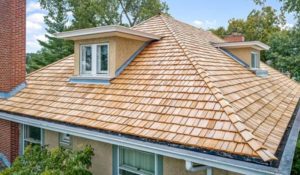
x: 162, y: 97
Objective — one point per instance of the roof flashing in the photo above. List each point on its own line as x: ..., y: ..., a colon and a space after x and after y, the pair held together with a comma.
x: 106, y: 31
x: 245, y: 44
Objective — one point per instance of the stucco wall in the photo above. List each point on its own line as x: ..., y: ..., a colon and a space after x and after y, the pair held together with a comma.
x: 177, y: 167
x: 102, y: 161
x: 244, y: 54
x: 120, y: 50
x: 125, y: 49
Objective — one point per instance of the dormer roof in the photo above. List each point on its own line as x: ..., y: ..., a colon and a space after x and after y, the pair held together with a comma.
x: 107, y: 31
x: 245, y: 44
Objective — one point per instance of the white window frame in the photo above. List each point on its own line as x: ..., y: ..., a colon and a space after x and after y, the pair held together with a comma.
x: 24, y: 139
x: 256, y: 60
x: 157, y: 171
x: 93, y: 72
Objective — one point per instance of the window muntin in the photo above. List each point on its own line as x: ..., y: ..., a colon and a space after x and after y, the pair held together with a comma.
x: 135, y: 162
x: 31, y: 136
x: 65, y: 140
x: 94, y: 59
x: 254, y: 60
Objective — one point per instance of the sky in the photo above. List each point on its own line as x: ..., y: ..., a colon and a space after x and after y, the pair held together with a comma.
x: 200, y: 13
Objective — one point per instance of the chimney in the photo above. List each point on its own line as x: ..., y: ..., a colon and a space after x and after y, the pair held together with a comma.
x: 12, y: 47
x: 235, y: 37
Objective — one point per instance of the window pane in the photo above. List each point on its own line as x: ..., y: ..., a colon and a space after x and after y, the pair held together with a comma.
x: 29, y: 143
x: 102, y: 59
x: 88, y: 59
x: 253, y: 60
x: 139, y: 160
x: 32, y: 133
x: 123, y: 172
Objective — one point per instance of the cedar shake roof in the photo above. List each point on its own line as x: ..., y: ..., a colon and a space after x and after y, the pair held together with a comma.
x: 179, y: 90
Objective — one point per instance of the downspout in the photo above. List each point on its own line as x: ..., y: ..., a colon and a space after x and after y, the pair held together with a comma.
x: 191, y: 168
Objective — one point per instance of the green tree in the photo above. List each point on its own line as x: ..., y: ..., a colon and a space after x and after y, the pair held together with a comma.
x: 285, y: 51
x: 41, y: 161
x: 93, y: 13
x: 288, y: 5
x: 296, y: 163
x: 258, y: 25
x: 53, y: 49
x: 136, y: 11
x: 220, y: 31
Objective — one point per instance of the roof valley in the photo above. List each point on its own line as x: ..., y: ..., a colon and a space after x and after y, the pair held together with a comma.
x: 250, y: 139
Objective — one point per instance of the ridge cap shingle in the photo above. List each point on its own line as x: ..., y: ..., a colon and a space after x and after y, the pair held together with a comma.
x: 243, y: 130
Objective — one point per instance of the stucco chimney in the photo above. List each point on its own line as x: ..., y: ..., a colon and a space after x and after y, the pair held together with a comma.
x: 12, y: 47
x: 235, y: 37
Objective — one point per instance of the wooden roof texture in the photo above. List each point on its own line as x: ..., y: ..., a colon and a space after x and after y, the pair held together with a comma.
x: 180, y: 90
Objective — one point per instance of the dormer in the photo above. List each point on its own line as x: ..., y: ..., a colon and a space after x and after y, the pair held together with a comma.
x: 247, y: 53
x: 102, y: 53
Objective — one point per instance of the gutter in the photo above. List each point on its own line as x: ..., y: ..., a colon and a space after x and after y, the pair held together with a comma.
x: 286, y: 161
x: 164, y: 150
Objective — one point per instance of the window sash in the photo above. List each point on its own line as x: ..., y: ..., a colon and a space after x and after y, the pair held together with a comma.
x: 122, y: 166
x: 99, y: 59
x: 84, y: 62
x: 254, y: 60
x: 27, y: 139
x: 102, y: 59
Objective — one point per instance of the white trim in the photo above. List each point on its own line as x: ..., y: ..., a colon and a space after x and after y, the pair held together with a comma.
x: 164, y: 150
x: 253, y: 44
x: 110, y: 30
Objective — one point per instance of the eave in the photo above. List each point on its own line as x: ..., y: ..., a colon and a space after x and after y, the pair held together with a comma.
x: 247, y: 44
x: 106, y: 31
x: 229, y: 164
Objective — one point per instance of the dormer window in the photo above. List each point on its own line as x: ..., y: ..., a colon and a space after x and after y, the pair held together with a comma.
x: 102, y: 53
x: 94, y: 59
x: 254, y: 60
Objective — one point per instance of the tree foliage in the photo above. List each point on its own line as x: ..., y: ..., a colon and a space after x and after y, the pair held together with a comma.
x: 258, y: 25
x: 288, y: 5
x: 296, y: 163
x: 40, y: 161
x: 53, y: 49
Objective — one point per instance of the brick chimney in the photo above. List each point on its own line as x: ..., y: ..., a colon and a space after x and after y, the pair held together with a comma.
x: 12, y: 69
x: 235, y: 37
x: 12, y: 47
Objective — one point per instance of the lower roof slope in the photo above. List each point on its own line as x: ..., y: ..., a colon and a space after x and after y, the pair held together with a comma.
x: 179, y: 90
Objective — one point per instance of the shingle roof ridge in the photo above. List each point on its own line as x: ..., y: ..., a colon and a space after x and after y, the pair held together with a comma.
x: 243, y: 130
x: 49, y: 65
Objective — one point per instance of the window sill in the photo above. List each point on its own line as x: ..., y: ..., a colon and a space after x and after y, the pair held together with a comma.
x: 90, y: 79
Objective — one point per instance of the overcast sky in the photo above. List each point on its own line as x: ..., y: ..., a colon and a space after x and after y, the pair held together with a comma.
x: 201, y: 13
